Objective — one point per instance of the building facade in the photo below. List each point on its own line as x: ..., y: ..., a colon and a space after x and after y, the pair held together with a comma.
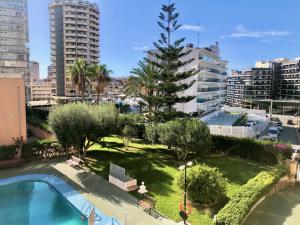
x: 12, y: 113
x: 290, y: 80
x: 236, y: 88
x: 41, y: 91
x: 115, y: 88
x: 14, y: 52
x: 34, y: 70
x: 278, y: 79
x: 74, y: 27
x: 210, y: 86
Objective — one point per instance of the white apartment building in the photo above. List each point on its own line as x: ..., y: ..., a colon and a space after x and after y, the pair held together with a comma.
x: 209, y: 88
x: 74, y: 27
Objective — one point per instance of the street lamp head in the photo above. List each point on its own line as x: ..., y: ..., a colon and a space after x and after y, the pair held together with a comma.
x: 190, y: 163
x: 181, y: 167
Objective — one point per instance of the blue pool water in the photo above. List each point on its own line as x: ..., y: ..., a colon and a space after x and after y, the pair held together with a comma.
x: 35, y: 203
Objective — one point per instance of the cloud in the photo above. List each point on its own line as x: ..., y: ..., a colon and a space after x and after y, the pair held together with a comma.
x: 190, y: 27
x: 242, y: 32
x: 141, y: 48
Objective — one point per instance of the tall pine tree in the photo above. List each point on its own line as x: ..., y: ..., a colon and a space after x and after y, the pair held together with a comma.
x: 168, y: 57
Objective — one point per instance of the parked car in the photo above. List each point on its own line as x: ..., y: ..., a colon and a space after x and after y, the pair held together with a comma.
x: 279, y: 126
x: 250, y: 123
x: 273, y: 133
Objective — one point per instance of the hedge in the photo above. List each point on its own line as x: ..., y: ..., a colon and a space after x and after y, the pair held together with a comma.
x: 7, y: 152
x: 249, y: 149
x: 241, y: 203
x: 29, y: 150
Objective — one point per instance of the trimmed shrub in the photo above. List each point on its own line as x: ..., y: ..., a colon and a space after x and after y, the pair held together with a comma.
x: 136, y: 121
x: 185, y: 136
x: 241, y: 203
x: 7, y: 152
x: 205, y: 185
x: 249, y: 149
x: 151, y: 133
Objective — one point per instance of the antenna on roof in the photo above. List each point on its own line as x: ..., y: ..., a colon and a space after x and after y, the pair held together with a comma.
x: 198, y: 35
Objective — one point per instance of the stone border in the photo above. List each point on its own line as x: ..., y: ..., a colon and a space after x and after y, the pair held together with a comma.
x: 73, y: 196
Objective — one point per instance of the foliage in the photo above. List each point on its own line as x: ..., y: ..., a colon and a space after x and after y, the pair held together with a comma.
x: 131, y: 126
x: 81, y: 73
x: 205, y: 185
x: 185, y: 136
x: 100, y: 75
x: 250, y: 149
x: 80, y: 125
x: 42, y: 124
x: 7, y: 152
x: 168, y: 57
x: 128, y: 133
x: 123, y: 108
x: 143, y: 84
x: 37, y: 113
x: 157, y: 167
x: 38, y: 118
x: 151, y: 133
x: 241, y: 203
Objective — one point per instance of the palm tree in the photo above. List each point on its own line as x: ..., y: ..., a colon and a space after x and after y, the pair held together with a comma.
x: 100, y: 75
x: 80, y: 72
x: 143, y: 84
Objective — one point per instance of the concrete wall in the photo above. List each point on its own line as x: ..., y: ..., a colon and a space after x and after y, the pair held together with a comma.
x: 12, y: 109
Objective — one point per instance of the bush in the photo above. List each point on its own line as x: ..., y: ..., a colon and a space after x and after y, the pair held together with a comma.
x: 80, y: 125
x: 241, y: 203
x: 7, y: 152
x: 249, y: 149
x: 205, y: 185
x: 134, y: 120
x: 185, y: 136
x: 151, y: 133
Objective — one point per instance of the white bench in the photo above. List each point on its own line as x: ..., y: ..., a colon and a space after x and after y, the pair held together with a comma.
x: 74, y: 161
x: 118, y: 177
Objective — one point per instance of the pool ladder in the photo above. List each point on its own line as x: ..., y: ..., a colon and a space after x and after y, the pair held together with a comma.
x: 86, y: 209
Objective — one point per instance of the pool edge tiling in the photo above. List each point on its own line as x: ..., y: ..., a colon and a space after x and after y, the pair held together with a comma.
x: 73, y: 196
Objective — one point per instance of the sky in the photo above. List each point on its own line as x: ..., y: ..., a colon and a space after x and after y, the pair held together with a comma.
x: 247, y: 30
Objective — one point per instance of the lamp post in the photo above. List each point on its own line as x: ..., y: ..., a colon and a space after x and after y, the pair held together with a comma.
x: 184, y: 167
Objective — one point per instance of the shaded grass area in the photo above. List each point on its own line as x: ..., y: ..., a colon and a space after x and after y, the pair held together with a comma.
x: 157, y: 167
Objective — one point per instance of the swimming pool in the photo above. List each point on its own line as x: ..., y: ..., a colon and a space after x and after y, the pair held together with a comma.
x: 35, y: 203
x: 45, y: 199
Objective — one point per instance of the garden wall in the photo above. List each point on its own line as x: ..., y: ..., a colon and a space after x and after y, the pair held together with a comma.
x: 38, y: 132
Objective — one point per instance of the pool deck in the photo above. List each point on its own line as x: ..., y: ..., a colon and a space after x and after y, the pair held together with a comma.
x: 109, y: 199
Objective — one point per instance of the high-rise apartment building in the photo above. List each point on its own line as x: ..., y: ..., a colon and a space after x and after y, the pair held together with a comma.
x: 210, y: 86
x: 290, y: 79
x: 74, y: 27
x: 14, y: 52
x: 278, y: 79
x: 34, y: 69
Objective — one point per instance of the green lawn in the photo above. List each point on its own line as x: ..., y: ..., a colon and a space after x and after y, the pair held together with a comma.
x: 157, y: 167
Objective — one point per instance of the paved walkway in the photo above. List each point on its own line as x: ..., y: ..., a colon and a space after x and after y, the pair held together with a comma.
x: 282, y: 208
x: 111, y: 200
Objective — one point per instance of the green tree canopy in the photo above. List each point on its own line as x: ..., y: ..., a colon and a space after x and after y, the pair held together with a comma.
x: 80, y: 125
x: 169, y: 56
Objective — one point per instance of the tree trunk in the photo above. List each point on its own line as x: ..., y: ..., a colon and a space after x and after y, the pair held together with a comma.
x: 98, y: 98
